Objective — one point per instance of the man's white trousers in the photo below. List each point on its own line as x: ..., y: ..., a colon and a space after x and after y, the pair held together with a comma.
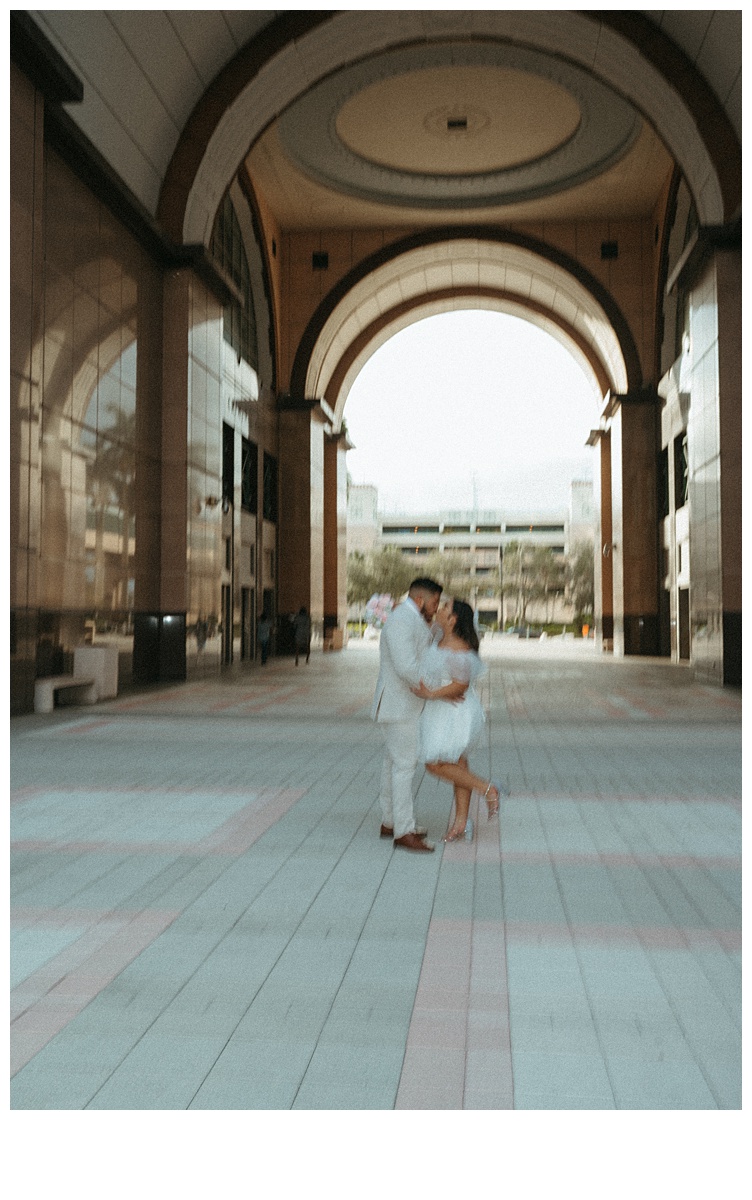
x: 402, y: 740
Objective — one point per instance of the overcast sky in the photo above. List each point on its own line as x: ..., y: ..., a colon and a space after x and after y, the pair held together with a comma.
x: 470, y: 405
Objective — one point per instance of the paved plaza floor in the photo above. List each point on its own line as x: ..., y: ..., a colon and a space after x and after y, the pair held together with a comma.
x: 204, y: 916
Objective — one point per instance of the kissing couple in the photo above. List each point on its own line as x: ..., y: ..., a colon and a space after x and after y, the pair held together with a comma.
x: 428, y: 710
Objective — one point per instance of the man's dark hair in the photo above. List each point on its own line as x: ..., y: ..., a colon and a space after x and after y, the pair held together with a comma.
x: 425, y: 585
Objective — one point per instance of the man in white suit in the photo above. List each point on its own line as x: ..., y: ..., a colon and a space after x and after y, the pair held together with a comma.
x: 404, y: 640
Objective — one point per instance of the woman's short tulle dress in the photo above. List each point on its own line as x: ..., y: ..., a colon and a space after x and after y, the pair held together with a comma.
x: 450, y: 729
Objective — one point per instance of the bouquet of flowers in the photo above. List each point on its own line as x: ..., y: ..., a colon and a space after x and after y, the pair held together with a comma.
x: 378, y: 609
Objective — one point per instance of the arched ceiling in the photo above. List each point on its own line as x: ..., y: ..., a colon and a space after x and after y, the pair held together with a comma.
x: 153, y: 79
x: 412, y: 119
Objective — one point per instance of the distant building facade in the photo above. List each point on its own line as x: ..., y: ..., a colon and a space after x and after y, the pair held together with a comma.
x: 582, y: 513
x: 478, y: 539
x: 362, y: 517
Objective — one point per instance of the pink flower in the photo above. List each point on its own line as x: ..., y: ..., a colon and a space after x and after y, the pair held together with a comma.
x: 378, y: 609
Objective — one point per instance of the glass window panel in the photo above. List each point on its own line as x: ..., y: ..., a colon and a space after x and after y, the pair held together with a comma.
x: 270, y: 488
x: 239, y: 316
x: 127, y: 401
x: 249, y: 478
x: 228, y: 463
x: 108, y: 409
x: 128, y: 366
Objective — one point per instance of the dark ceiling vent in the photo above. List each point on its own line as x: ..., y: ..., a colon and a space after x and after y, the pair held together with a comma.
x: 457, y: 123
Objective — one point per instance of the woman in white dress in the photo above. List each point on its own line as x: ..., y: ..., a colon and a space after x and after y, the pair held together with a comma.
x: 453, y: 717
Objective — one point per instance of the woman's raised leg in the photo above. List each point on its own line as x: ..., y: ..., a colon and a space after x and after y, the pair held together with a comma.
x: 461, y: 776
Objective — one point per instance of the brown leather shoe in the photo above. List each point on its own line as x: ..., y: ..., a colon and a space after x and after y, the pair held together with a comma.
x: 411, y: 841
x: 387, y: 831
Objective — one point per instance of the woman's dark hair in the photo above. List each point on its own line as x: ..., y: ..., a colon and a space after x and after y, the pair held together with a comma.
x: 465, y: 626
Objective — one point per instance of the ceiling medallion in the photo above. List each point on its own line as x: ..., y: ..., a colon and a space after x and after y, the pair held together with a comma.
x: 393, y: 168
x: 458, y: 122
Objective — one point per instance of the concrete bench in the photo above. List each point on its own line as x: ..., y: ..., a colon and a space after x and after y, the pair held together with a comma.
x: 45, y: 689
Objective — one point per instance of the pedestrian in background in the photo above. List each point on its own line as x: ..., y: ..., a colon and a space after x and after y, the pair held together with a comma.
x: 264, y: 635
x: 302, y: 626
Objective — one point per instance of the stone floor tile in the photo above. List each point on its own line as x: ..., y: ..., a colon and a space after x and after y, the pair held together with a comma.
x: 670, y: 1083
x: 301, y: 962
x: 254, y: 1074
x: 539, y: 1101
x: 161, y: 1072
x: 554, y: 1034
x: 568, y: 1073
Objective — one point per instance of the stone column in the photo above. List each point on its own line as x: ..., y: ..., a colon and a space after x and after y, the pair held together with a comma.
x: 335, y: 538
x: 603, y: 578
x: 25, y: 353
x: 174, y: 504
x: 148, y: 490
x: 729, y: 291
x: 634, y: 546
x: 715, y: 481
x: 159, y: 619
x: 302, y: 426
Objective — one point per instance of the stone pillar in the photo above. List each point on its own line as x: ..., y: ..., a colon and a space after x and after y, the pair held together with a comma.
x: 335, y: 539
x: 302, y: 426
x: 715, y: 481
x: 602, y: 556
x: 26, y: 361
x: 174, y: 506
x: 634, y: 554
x: 729, y: 291
x: 149, y: 416
x: 159, y: 619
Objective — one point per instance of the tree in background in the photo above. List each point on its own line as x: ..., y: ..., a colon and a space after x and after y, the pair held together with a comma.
x: 359, y: 579
x: 548, y: 571
x: 451, y: 570
x: 581, y: 580
x: 386, y: 572
x: 518, y: 580
x: 529, y: 573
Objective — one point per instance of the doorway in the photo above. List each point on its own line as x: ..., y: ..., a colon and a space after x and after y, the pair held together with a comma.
x: 226, y: 624
x: 684, y: 639
x: 247, y: 622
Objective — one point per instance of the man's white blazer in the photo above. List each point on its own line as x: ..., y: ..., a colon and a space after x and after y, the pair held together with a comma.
x: 404, y: 640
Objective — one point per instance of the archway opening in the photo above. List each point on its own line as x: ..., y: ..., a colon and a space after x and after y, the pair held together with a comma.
x: 471, y: 409
x: 470, y: 464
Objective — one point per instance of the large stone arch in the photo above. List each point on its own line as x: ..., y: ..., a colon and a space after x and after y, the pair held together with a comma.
x: 430, y: 273
x: 415, y: 277
x: 452, y: 300
x: 624, y: 51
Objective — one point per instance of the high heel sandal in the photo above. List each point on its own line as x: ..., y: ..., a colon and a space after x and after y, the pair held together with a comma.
x: 453, y: 835
x: 493, y: 805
